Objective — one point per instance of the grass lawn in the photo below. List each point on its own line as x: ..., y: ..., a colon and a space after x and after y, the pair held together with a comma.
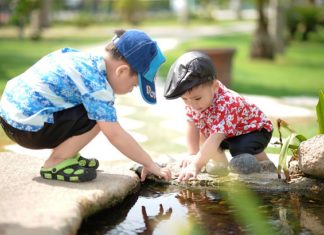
x: 17, y: 55
x: 298, y: 72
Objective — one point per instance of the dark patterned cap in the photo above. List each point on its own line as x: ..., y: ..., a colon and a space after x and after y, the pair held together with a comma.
x: 189, y: 70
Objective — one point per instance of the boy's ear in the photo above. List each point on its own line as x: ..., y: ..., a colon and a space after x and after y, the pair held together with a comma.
x: 215, y: 84
x: 122, y: 69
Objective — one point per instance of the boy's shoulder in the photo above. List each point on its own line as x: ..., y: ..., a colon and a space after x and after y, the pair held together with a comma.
x: 68, y: 62
x: 66, y: 57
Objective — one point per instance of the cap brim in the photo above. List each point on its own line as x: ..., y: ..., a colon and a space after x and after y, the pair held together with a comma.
x: 147, y: 89
x: 146, y: 81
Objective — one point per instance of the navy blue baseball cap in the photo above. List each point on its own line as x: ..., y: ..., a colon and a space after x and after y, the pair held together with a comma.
x: 144, y: 56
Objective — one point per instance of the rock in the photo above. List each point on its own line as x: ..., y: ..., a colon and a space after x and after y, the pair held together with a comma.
x: 294, y: 170
x: 267, y: 166
x: 244, y: 164
x: 217, y: 169
x: 311, y: 156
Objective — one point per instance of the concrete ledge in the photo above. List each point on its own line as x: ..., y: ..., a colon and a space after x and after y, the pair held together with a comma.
x: 32, y: 205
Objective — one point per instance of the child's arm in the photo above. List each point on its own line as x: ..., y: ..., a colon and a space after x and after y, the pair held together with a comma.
x: 126, y: 144
x: 192, y: 136
x: 210, y: 149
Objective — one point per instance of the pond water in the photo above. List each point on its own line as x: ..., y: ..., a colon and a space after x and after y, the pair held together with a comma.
x: 168, y: 210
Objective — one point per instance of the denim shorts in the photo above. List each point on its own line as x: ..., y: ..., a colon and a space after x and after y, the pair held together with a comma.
x: 67, y: 123
x: 253, y: 143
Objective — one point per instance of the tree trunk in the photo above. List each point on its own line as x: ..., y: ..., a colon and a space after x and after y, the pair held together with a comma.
x: 45, y: 10
x: 35, y: 25
x: 95, y: 6
x: 236, y: 6
x: 21, y: 31
x: 277, y: 24
x: 184, y: 12
x: 262, y: 46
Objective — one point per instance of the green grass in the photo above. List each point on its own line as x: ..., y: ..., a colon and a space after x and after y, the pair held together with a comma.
x: 17, y: 55
x: 298, y: 72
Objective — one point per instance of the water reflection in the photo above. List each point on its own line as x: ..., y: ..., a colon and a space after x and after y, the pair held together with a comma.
x: 109, y: 219
x: 296, y: 214
x: 210, y: 211
x: 152, y: 221
x: 173, y: 210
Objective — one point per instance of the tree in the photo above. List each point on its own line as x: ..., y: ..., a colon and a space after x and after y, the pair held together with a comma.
x: 45, y: 10
x: 21, y: 14
x: 236, y: 6
x: 35, y: 12
x: 277, y: 24
x: 262, y: 45
x: 40, y: 18
x: 130, y: 10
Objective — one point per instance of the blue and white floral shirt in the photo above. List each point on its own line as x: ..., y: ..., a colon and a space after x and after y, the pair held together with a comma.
x: 60, y: 80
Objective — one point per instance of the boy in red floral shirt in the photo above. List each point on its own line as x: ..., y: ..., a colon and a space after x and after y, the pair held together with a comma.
x: 218, y: 119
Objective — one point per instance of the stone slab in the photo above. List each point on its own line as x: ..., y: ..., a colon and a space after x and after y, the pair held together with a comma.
x: 32, y: 205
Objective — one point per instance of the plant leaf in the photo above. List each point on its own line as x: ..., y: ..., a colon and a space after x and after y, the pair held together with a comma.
x: 301, y: 138
x: 320, y: 112
x: 282, y: 164
x: 293, y: 146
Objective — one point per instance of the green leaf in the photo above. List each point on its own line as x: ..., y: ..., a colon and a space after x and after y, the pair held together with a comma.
x: 282, y: 164
x: 301, y: 138
x: 289, y: 143
x: 320, y: 112
x: 293, y: 146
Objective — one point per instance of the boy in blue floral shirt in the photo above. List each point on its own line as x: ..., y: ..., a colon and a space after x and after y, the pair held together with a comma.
x: 65, y: 99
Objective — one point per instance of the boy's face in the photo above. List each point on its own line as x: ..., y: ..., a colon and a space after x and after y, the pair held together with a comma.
x: 200, y: 97
x: 125, y: 80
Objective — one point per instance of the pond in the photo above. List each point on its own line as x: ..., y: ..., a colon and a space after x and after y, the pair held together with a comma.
x: 170, y: 209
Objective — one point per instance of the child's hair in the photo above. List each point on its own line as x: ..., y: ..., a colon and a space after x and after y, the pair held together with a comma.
x: 205, y: 83
x: 113, y: 51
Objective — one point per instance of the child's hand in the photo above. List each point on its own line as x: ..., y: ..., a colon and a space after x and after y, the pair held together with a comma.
x: 164, y: 172
x: 188, y: 172
x: 186, y: 161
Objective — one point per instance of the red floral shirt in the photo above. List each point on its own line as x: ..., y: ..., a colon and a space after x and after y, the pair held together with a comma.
x: 229, y: 114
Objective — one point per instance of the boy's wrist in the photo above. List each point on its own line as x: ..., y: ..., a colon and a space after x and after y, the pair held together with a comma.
x: 150, y: 165
x: 196, y: 164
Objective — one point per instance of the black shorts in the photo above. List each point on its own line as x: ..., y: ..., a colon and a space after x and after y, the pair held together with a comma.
x: 67, y: 123
x: 253, y: 143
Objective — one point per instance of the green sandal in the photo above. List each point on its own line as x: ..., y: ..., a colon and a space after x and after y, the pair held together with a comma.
x: 87, y: 163
x: 70, y: 171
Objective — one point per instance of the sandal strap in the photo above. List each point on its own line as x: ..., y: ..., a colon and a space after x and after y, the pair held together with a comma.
x: 66, y: 163
x: 87, y: 162
x: 69, y: 170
